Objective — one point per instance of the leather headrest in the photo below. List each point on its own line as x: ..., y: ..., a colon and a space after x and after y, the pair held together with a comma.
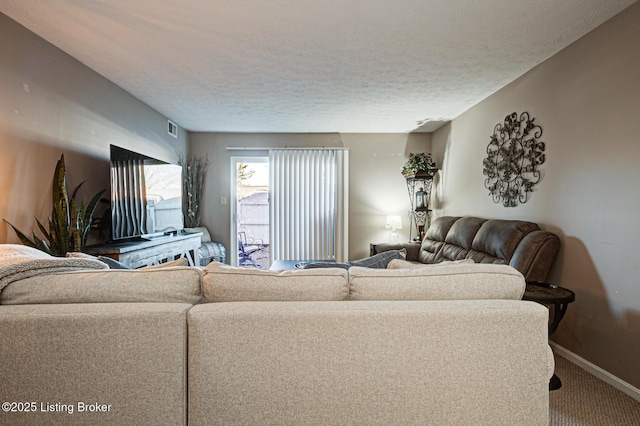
x: 500, y: 238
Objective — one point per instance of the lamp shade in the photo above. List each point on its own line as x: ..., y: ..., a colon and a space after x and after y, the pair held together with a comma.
x: 394, y: 222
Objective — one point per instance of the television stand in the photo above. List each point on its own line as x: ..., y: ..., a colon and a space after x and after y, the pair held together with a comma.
x: 138, y: 253
x: 153, y: 237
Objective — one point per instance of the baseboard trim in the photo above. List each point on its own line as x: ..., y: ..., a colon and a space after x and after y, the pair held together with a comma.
x: 601, y: 374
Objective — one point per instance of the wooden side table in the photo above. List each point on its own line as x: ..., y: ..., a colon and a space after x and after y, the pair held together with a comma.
x: 551, y: 296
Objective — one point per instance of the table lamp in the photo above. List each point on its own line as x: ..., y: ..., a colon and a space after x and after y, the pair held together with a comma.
x: 393, y: 223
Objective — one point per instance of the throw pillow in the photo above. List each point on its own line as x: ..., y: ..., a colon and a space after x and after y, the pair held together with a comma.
x: 312, y: 265
x: 178, y: 262
x: 112, y: 263
x: 380, y: 260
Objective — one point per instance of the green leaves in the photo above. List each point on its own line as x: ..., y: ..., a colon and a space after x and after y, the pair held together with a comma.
x: 421, y: 162
x: 69, y: 222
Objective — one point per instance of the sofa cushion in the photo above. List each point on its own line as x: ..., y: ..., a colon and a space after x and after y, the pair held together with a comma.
x: 224, y: 283
x: 437, y: 282
x: 497, y: 240
x: 460, y: 237
x: 431, y: 247
x: 463, y: 231
x: 404, y: 264
x: 176, y: 284
x: 440, y: 227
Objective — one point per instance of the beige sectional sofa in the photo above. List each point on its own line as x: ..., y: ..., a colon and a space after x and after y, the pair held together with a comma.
x: 441, y: 344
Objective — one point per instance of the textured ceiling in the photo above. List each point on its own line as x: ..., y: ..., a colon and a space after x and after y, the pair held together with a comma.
x: 311, y: 65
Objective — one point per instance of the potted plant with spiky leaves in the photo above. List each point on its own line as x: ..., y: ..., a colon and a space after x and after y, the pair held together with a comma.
x: 69, y: 222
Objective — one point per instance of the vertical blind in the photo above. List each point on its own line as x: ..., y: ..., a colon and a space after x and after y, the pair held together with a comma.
x: 309, y: 197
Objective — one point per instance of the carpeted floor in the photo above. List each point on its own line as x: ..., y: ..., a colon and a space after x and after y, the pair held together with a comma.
x: 584, y: 400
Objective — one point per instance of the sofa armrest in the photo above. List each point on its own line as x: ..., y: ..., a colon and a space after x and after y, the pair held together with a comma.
x: 128, y: 358
x: 535, y: 254
x: 413, y: 249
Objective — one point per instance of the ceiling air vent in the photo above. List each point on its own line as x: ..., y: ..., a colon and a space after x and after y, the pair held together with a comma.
x: 172, y: 128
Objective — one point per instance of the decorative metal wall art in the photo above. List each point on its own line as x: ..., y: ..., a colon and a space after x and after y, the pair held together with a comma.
x: 513, y: 157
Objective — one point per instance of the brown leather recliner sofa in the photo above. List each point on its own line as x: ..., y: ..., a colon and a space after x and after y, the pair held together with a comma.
x: 520, y: 244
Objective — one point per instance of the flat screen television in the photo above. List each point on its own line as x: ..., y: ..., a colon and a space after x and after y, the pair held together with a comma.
x: 146, y: 196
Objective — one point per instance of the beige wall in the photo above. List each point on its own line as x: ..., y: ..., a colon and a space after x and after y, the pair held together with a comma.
x: 376, y: 186
x: 51, y: 104
x: 587, y: 100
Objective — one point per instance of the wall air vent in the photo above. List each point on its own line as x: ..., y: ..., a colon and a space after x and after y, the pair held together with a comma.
x: 172, y: 128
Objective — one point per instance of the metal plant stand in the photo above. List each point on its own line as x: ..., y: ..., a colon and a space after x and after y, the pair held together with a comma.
x: 420, y: 216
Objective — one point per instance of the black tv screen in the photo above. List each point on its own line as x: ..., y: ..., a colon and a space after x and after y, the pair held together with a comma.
x: 146, y: 195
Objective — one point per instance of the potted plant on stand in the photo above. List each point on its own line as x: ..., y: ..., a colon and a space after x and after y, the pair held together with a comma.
x: 419, y: 171
x: 419, y: 165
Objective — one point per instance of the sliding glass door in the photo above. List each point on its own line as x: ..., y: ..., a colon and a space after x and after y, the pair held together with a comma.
x: 250, y: 212
x: 291, y: 205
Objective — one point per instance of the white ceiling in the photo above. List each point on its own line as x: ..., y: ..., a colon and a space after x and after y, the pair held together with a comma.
x: 311, y: 65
